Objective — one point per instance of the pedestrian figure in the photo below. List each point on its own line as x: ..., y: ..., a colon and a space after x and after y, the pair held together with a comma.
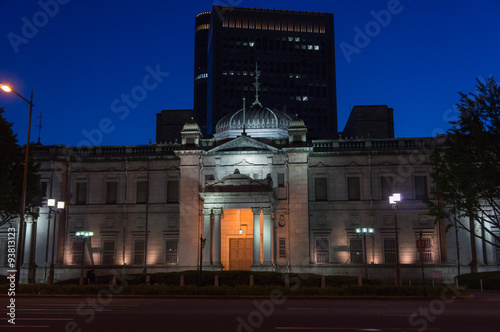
x: 92, y: 277
x: 88, y: 276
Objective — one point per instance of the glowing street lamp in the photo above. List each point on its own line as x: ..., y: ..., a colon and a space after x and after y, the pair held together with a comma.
x: 365, y: 231
x: 83, y: 235
x: 51, y: 203
x: 20, y: 241
x: 394, y: 199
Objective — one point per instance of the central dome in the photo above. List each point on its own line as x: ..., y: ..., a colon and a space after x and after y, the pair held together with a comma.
x: 259, y: 121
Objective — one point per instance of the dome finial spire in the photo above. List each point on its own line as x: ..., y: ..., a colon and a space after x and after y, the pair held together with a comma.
x: 244, y: 133
x: 256, y: 84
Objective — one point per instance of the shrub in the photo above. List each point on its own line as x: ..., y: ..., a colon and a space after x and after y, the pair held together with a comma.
x: 491, y: 280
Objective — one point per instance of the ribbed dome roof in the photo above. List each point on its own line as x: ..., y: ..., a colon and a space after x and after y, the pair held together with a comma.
x: 190, y: 126
x: 297, y: 123
x: 259, y: 121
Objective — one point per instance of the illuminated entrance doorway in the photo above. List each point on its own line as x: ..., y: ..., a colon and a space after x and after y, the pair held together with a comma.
x: 237, y: 239
x: 238, y: 202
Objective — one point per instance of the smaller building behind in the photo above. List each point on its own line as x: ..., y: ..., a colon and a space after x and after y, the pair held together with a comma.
x: 169, y: 125
x: 370, y: 121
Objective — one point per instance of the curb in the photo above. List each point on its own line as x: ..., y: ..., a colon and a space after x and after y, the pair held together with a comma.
x: 248, y: 297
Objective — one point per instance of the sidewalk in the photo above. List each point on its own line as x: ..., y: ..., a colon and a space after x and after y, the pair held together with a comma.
x: 486, y: 294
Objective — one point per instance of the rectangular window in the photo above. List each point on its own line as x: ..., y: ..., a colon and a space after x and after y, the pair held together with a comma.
x: 282, y: 247
x: 171, y: 251
x: 281, y: 179
x: 421, y: 188
x: 320, y: 189
x: 142, y: 192
x: 76, y: 251
x: 81, y: 193
x: 108, y: 252
x: 427, y: 255
x: 353, y: 189
x: 322, y: 249
x: 139, y: 251
x: 173, y: 191
x: 43, y: 188
x: 4, y: 252
x: 111, y: 192
x: 390, y: 250
x: 386, y: 187
x: 356, y: 250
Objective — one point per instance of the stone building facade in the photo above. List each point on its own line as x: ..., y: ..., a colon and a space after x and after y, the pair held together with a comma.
x: 271, y: 200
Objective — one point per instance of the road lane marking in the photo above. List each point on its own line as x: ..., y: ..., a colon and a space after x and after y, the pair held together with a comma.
x: 40, y: 318
x: 310, y: 328
x: 30, y: 326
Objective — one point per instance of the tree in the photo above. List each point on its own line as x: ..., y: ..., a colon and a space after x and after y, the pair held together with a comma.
x: 11, y: 176
x: 467, y: 166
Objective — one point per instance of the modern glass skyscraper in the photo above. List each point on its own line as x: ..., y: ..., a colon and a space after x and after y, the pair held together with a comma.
x: 295, y: 54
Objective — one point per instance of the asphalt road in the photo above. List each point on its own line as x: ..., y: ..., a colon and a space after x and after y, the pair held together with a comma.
x: 275, y: 313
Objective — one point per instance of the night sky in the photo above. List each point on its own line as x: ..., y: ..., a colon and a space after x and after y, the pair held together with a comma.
x: 83, y: 56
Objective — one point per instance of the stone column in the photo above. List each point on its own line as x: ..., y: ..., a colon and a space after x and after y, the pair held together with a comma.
x: 217, y: 237
x: 207, y: 234
x: 267, y: 237
x: 29, y: 249
x: 29, y: 242
x: 256, y: 237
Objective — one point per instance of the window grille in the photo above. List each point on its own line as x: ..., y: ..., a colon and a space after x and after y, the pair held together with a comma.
x: 171, y: 256
x: 322, y: 251
x: 356, y: 250
x: 390, y: 250
x: 108, y: 252
x: 76, y: 251
x: 139, y: 252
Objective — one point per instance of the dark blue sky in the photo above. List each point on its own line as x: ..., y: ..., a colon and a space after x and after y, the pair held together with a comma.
x: 82, y: 56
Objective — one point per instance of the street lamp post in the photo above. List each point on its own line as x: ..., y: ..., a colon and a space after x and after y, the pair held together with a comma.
x: 60, y: 206
x: 202, y: 245
x: 83, y: 235
x: 20, y: 241
x: 365, y: 231
x: 394, y: 199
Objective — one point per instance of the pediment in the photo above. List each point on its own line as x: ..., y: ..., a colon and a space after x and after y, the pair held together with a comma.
x: 238, y: 182
x: 243, y: 162
x: 353, y: 164
x: 320, y: 164
x: 243, y: 143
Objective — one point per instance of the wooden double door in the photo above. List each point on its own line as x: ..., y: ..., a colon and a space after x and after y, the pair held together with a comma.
x: 240, y: 253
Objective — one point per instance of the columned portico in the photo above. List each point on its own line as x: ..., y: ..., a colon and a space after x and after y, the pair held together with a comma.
x: 256, y: 237
x: 267, y: 231
x: 207, y: 234
x: 217, y: 237
x: 238, y: 192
